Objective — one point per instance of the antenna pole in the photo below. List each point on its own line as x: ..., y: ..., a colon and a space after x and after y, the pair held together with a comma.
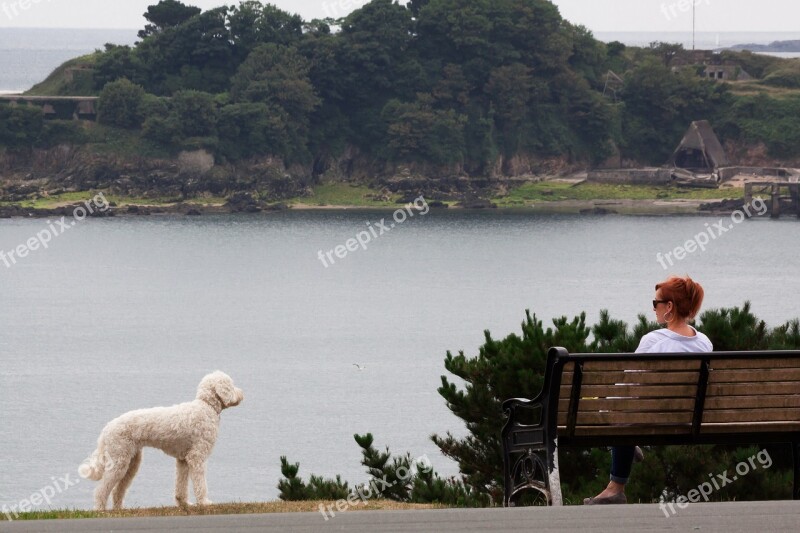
x: 694, y: 13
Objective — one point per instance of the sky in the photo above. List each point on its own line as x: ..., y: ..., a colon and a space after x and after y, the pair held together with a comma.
x: 597, y: 15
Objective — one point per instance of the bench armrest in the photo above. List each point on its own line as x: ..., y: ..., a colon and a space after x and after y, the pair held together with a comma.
x: 511, y: 406
x: 514, y: 402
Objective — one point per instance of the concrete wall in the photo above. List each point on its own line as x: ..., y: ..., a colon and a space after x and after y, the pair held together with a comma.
x: 729, y: 172
x: 637, y: 176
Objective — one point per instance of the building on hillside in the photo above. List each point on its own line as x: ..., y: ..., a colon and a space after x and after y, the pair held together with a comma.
x: 710, y: 65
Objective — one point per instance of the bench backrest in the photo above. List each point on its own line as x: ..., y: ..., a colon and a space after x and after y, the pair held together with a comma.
x: 686, y: 396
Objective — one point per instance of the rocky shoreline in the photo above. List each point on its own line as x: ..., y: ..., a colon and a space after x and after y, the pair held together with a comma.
x: 582, y: 207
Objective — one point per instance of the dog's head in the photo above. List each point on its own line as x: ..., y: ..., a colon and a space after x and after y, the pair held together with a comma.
x: 217, y: 389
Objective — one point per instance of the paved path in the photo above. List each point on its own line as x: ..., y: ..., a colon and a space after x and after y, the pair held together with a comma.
x: 709, y: 517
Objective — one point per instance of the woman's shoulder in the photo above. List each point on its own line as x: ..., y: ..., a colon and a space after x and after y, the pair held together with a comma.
x: 649, y: 340
x: 704, y: 341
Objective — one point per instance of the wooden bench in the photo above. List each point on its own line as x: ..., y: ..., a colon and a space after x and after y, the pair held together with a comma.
x: 597, y: 400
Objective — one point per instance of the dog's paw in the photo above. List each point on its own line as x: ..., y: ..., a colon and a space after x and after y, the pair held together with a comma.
x: 205, y: 502
x: 183, y: 503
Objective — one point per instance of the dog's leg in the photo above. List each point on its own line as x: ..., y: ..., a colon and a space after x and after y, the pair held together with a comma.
x: 111, y: 477
x: 182, y: 483
x: 118, y: 494
x: 197, y: 470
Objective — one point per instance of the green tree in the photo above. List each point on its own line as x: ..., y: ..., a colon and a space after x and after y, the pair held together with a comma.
x: 417, y: 132
x: 21, y: 126
x: 292, y: 487
x: 120, y: 104
x: 511, y: 92
x: 277, y: 76
x: 166, y: 14
x: 252, y: 23
x: 250, y: 129
x: 115, y: 63
x: 197, y: 54
x: 196, y: 112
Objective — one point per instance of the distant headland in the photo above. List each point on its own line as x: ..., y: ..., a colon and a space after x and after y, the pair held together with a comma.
x: 776, y: 46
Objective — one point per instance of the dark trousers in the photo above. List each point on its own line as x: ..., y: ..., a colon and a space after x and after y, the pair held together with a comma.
x: 621, y: 463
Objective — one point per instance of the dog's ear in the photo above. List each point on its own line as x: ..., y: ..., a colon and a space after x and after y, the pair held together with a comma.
x: 226, y: 392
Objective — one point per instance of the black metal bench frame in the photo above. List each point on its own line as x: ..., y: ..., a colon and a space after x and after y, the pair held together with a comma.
x: 530, y: 451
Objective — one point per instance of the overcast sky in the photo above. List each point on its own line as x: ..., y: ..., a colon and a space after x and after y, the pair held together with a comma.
x: 597, y: 15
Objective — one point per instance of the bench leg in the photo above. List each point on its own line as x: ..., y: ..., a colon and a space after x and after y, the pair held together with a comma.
x: 796, y: 465
x: 525, y: 470
x: 507, y: 480
x: 553, y: 475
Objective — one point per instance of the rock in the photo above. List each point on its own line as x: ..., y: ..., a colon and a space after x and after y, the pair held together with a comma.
x: 193, y: 213
x: 477, y: 204
x: 724, y: 205
x: 243, y: 202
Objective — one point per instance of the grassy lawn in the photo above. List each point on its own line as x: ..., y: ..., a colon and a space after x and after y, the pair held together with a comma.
x: 754, y: 87
x: 222, y: 509
x: 55, y: 84
x: 69, y: 198
x: 343, y: 194
x: 553, y: 191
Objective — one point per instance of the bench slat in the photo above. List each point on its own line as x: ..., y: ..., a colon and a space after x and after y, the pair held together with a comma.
x: 622, y: 417
x: 639, y: 364
x: 752, y: 402
x: 788, y: 362
x: 595, y: 417
x: 592, y: 431
x: 751, y: 415
x: 754, y: 375
x: 621, y: 376
x: 638, y: 404
x: 634, y: 391
x: 752, y: 427
x: 751, y: 389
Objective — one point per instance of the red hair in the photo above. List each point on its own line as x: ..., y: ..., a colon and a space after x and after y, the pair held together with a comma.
x: 684, y: 293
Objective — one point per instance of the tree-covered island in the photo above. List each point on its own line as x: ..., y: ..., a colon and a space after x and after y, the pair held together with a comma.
x: 466, y: 101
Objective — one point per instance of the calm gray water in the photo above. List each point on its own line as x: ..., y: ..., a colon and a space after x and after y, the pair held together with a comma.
x: 127, y: 313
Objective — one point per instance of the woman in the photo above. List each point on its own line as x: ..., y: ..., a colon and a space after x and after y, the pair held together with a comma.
x: 677, y: 302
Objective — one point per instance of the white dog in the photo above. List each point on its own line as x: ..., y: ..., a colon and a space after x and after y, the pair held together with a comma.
x: 186, y: 432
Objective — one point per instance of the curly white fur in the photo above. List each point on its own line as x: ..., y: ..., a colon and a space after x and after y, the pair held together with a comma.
x: 185, y: 431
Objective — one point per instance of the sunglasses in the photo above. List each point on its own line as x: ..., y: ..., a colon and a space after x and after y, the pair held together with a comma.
x: 656, y: 302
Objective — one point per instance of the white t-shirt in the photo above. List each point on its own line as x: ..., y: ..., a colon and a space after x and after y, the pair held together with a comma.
x: 667, y: 341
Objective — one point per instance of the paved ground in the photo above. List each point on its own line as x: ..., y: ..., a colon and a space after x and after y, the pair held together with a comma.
x: 709, y: 517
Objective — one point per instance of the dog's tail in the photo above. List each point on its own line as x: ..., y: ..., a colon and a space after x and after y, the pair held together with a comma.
x: 94, y: 466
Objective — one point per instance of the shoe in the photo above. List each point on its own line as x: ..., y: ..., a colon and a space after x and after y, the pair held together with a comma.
x: 608, y: 500
x: 638, y: 455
